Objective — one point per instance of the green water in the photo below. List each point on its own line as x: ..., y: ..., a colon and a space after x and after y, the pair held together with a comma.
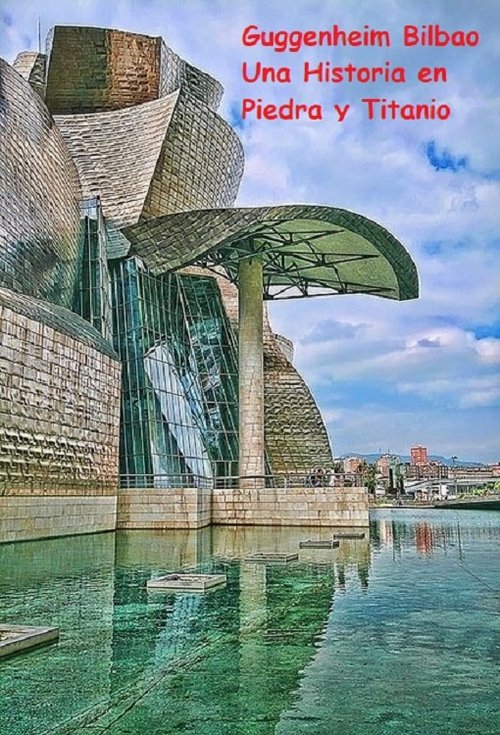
x: 398, y: 634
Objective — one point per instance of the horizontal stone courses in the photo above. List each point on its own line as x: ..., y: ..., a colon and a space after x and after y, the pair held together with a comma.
x: 27, y: 517
x: 24, y: 519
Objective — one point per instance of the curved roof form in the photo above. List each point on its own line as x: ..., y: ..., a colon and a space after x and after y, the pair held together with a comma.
x: 305, y: 250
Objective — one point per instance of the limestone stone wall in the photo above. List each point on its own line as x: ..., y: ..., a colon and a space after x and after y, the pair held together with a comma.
x: 24, y: 518
x: 163, y: 508
x: 342, y: 507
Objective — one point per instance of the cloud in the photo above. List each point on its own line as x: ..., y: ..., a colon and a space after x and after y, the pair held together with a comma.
x: 425, y: 342
x: 330, y: 329
x: 442, y: 159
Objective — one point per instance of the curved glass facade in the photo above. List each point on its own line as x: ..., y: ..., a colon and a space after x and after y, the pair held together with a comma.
x: 179, y: 386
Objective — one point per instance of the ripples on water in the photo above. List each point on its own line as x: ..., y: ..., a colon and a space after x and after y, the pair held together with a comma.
x: 398, y: 634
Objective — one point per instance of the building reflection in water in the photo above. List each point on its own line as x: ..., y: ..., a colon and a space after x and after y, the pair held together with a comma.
x: 424, y: 538
x: 441, y: 531
x: 125, y: 653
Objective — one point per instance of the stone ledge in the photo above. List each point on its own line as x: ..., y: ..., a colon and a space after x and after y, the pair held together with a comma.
x: 17, y: 638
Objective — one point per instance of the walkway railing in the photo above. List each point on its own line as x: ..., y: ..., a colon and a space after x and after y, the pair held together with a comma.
x: 314, y: 478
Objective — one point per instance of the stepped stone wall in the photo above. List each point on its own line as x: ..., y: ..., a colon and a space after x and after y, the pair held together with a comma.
x: 151, y: 508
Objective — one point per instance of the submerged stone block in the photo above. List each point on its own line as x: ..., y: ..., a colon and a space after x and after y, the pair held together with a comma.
x: 16, y: 638
x: 271, y: 556
x: 187, y: 582
x: 319, y: 544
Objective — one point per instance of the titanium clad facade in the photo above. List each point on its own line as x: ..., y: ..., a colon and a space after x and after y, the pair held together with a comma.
x: 165, y: 156
x: 116, y: 201
x: 177, y: 73
x: 39, y: 195
x: 116, y: 154
x: 59, y: 402
x: 31, y: 66
x: 295, y: 434
x: 97, y: 69
x: 200, y: 164
x: 59, y: 379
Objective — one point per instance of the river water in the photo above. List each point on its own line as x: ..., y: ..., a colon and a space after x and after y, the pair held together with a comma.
x: 395, y: 633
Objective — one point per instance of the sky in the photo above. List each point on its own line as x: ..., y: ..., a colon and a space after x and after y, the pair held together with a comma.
x: 386, y: 374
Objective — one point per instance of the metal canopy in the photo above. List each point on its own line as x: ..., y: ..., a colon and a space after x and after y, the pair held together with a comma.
x: 305, y: 250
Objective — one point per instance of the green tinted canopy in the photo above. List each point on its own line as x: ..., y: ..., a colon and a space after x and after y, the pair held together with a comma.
x: 305, y: 250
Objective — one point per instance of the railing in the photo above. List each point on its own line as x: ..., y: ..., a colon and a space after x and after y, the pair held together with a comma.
x: 283, y: 481
x: 166, y: 482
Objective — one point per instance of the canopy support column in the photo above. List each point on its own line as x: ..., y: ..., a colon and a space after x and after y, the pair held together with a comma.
x: 251, y: 373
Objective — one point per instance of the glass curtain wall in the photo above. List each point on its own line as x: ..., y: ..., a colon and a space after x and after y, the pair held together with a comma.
x: 180, y: 385
x: 94, y: 295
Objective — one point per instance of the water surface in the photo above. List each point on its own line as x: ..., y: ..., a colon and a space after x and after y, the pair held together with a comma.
x: 396, y: 634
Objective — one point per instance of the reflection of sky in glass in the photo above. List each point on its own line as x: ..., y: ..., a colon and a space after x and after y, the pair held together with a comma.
x: 178, y: 411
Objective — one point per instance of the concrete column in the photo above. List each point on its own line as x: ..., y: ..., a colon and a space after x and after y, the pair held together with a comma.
x: 251, y: 371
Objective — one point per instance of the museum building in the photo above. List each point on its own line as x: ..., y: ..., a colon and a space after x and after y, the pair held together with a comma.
x: 135, y: 349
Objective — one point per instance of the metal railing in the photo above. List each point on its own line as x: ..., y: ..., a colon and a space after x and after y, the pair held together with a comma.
x: 280, y: 481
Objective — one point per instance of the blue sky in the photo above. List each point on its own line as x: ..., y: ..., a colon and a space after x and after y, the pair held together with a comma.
x: 385, y: 374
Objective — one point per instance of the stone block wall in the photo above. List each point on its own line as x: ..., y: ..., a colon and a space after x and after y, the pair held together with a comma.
x: 315, y: 507
x: 23, y: 518
x: 59, y: 405
x: 163, y: 508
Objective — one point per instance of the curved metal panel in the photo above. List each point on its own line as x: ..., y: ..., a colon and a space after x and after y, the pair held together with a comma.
x: 39, y: 194
x: 96, y: 69
x: 31, y: 66
x: 116, y: 155
x: 175, y: 73
x: 163, y: 156
x: 99, y: 69
x: 304, y: 248
x: 296, y: 438
x: 201, y: 162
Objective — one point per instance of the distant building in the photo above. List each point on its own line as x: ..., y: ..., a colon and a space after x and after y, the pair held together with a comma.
x: 385, y: 463
x: 418, y: 455
x: 353, y: 465
x: 429, y: 471
x: 484, y: 472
